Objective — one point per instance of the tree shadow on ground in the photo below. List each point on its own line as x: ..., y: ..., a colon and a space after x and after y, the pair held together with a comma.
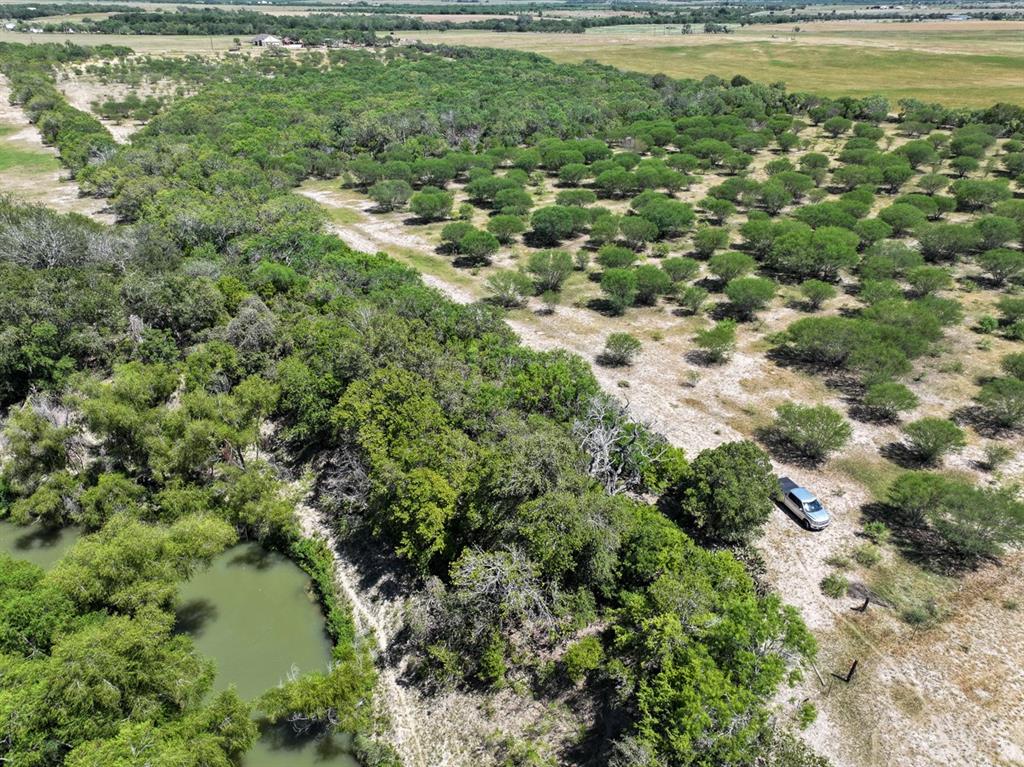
x: 918, y: 542
x: 470, y: 262
x: 604, y: 307
x: 904, y: 456
x: 979, y: 420
x: 704, y: 359
x: 861, y: 412
x: 784, y: 450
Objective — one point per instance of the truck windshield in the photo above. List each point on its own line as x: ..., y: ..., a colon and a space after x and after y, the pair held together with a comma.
x: 813, y: 506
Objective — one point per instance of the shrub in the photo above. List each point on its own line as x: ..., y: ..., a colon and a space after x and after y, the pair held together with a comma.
x: 615, y: 257
x: 391, y: 194
x: 553, y: 224
x: 996, y: 231
x: 1013, y: 365
x: 579, y: 198
x: 727, y: 492
x: 947, y: 242
x: 877, y: 532
x: 431, y: 204
x: 514, y: 202
x: 708, y: 239
x: 549, y: 268
x: 508, y: 288
x: 718, y: 209
x: 492, y: 667
x: 813, y: 431
x: 836, y: 126
x: 582, y: 657
x: 478, y: 246
x: 902, y: 217
x: 692, y: 298
x: 972, y: 194
x: 573, y: 173
x: 619, y: 350
x: 806, y: 714
x: 637, y: 231
x: 996, y: 454
x: 867, y: 555
x: 817, y: 292
x: 974, y: 523
x: 605, y: 229
x: 1003, y: 264
x: 932, y: 438
x: 926, y: 280
x: 651, y: 282
x: 835, y: 585
x: 680, y: 269
x: 731, y: 264
x: 452, y: 234
x: 1002, y: 401
x: 887, y: 399
x: 718, y: 341
x: 619, y: 287
x: 749, y: 294
x: 505, y: 227
x: 1011, y: 309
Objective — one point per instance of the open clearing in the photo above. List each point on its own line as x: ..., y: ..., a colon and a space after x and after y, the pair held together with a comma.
x: 831, y: 58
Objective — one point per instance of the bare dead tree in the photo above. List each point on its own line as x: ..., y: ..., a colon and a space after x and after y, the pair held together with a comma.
x: 345, y: 482
x: 618, y: 448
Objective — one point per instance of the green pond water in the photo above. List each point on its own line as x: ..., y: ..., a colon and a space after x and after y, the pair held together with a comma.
x: 39, y: 545
x: 253, y: 613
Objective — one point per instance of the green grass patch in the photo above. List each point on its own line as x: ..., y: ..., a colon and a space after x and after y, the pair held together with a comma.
x: 343, y: 216
x: 918, y: 596
x: 14, y: 157
x: 874, y: 474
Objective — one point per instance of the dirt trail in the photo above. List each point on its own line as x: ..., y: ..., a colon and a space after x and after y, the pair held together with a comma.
x: 377, y: 621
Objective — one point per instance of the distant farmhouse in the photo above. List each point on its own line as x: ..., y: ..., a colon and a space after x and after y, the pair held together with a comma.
x: 267, y: 41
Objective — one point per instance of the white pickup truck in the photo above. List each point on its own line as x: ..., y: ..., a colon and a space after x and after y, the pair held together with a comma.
x: 803, y: 503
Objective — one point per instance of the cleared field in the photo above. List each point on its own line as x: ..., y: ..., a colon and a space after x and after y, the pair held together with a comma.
x: 956, y: 64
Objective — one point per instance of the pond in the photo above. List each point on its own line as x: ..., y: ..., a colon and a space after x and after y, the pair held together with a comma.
x: 41, y: 546
x: 253, y: 612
